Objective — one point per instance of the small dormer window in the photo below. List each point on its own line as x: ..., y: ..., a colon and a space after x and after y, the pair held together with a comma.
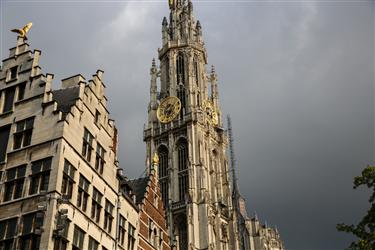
x: 21, y: 91
x: 13, y: 73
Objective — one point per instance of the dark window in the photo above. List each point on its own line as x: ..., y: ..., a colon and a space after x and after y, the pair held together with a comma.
x: 61, y: 234
x: 121, y: 231
x: 196, y: 72
x: 99, y: 159
x: 183, y: 181
x: 131, y: 236
x: 15, y: 179
x: 167, y: 71
x: 8, y: 99
x: 182, y: 96
x: 31, y: 224
x: 7, y: 233
x: 93, y: 244
x: 87, y: 145
x: 97, y: 117
x: 180, y: 69
x: 78, y: 238
x: 24, y: 130
x: 4, y: 137
x: 13, y: 72
x: 68, y: 179
x: 40, y: 171
x: 108, y: 217
x: 96, y: 206
x: 163, y: 174
x: 83, y: 193
x: 21, y: 91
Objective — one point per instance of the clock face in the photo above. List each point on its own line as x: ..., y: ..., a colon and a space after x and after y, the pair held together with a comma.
x: 168, y: 109
x: 210, y: 112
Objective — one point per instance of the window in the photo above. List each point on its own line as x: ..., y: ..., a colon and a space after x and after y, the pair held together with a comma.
x: 31, y: 224
x: 8, y: 99
x: 15, y: 179
x: 61, y: 234
x: 99, y: 160
x: 131, y: 236
x: 93, y: 244
x: 40, y: 175
x: 4, y: 136
x: 83, y: 193
x: 196, y: 73
x: 150, y: 232
x: 22, y: 136
x: 108, y: 217
x: 180, y: 69
x: 121, y: 231
x: 97, y: 117
x: 7, y: 233
x: 96, y: 205
x: 68, y: 179
x: 163, y: 174
x: 13, y: 73
x: 21, y: 91
x: 183, y: 181
x: 182, y: 96
x: 167, y: 70
x: 78, y: 238
x: 87, y: 145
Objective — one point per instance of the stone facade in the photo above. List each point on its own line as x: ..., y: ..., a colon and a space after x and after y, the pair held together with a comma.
x: 59, y: 174
x: 193, y: 169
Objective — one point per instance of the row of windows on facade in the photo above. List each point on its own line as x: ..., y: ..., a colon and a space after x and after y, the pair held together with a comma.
x: 39, y: 180
x: 28, y: 228
x: 79, y: 236
x: 183, y: 181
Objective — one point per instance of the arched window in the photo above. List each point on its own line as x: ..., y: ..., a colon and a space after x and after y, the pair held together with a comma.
x: 182, y: 159
x: 167, y: 71
x: 163, y: 173
x: 182, y: 96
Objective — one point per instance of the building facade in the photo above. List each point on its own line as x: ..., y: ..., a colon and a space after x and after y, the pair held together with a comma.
x: 59, y: 174
x: 185, y: 128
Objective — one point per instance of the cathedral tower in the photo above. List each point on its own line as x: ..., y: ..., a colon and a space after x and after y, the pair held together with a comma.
x: 185, y: 128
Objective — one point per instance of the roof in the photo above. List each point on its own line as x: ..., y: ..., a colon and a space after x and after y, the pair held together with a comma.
x: 139, y: 188
x: 66, y: 98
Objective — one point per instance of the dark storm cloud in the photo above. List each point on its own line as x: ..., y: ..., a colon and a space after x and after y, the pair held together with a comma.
x: 297, y: 79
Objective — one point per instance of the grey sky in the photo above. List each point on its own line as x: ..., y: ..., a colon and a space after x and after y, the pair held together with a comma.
x: 296, y: 77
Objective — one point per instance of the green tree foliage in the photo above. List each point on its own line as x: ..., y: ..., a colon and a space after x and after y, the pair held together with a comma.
x: 365, y: 230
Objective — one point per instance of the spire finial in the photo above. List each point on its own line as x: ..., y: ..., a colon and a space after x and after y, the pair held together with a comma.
x: 153, y: 63
x: 213, y: 69
x: 22, y: 32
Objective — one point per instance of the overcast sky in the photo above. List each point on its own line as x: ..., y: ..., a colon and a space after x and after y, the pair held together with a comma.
x: 296, y: 77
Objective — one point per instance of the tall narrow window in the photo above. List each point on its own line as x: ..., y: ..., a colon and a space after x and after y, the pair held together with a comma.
x: 87, y: 144
x: 121, y: 231
x: 97, y: 117
x: 61, y: 236
x: 163, y: 174
x: 196, y: 73
x: 8, y: 99
x: 99, y: 159
x: 180, y: 68
x: 96, y: 206
x: 167, y: 71
x: 4, y: 137
x: 7, y: 233
x: 182, y: 96
x: 108, y: 216
x: 40, y: 175
x: 15, y: 179
x: 83, y: 193
x: 21, y: 91
x: 30, y: 238
x: 24, y: 130
x: 183, y: 181
x: 78, y: 238
x: 68, y: 179
x: 131, y: 236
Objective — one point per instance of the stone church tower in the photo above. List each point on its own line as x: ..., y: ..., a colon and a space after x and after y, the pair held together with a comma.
x: 185, y: 127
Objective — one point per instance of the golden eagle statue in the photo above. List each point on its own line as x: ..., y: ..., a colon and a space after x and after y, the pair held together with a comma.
x: 22, y: 32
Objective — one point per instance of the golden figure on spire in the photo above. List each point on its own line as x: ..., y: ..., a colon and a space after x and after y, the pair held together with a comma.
x: 22, y: 32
